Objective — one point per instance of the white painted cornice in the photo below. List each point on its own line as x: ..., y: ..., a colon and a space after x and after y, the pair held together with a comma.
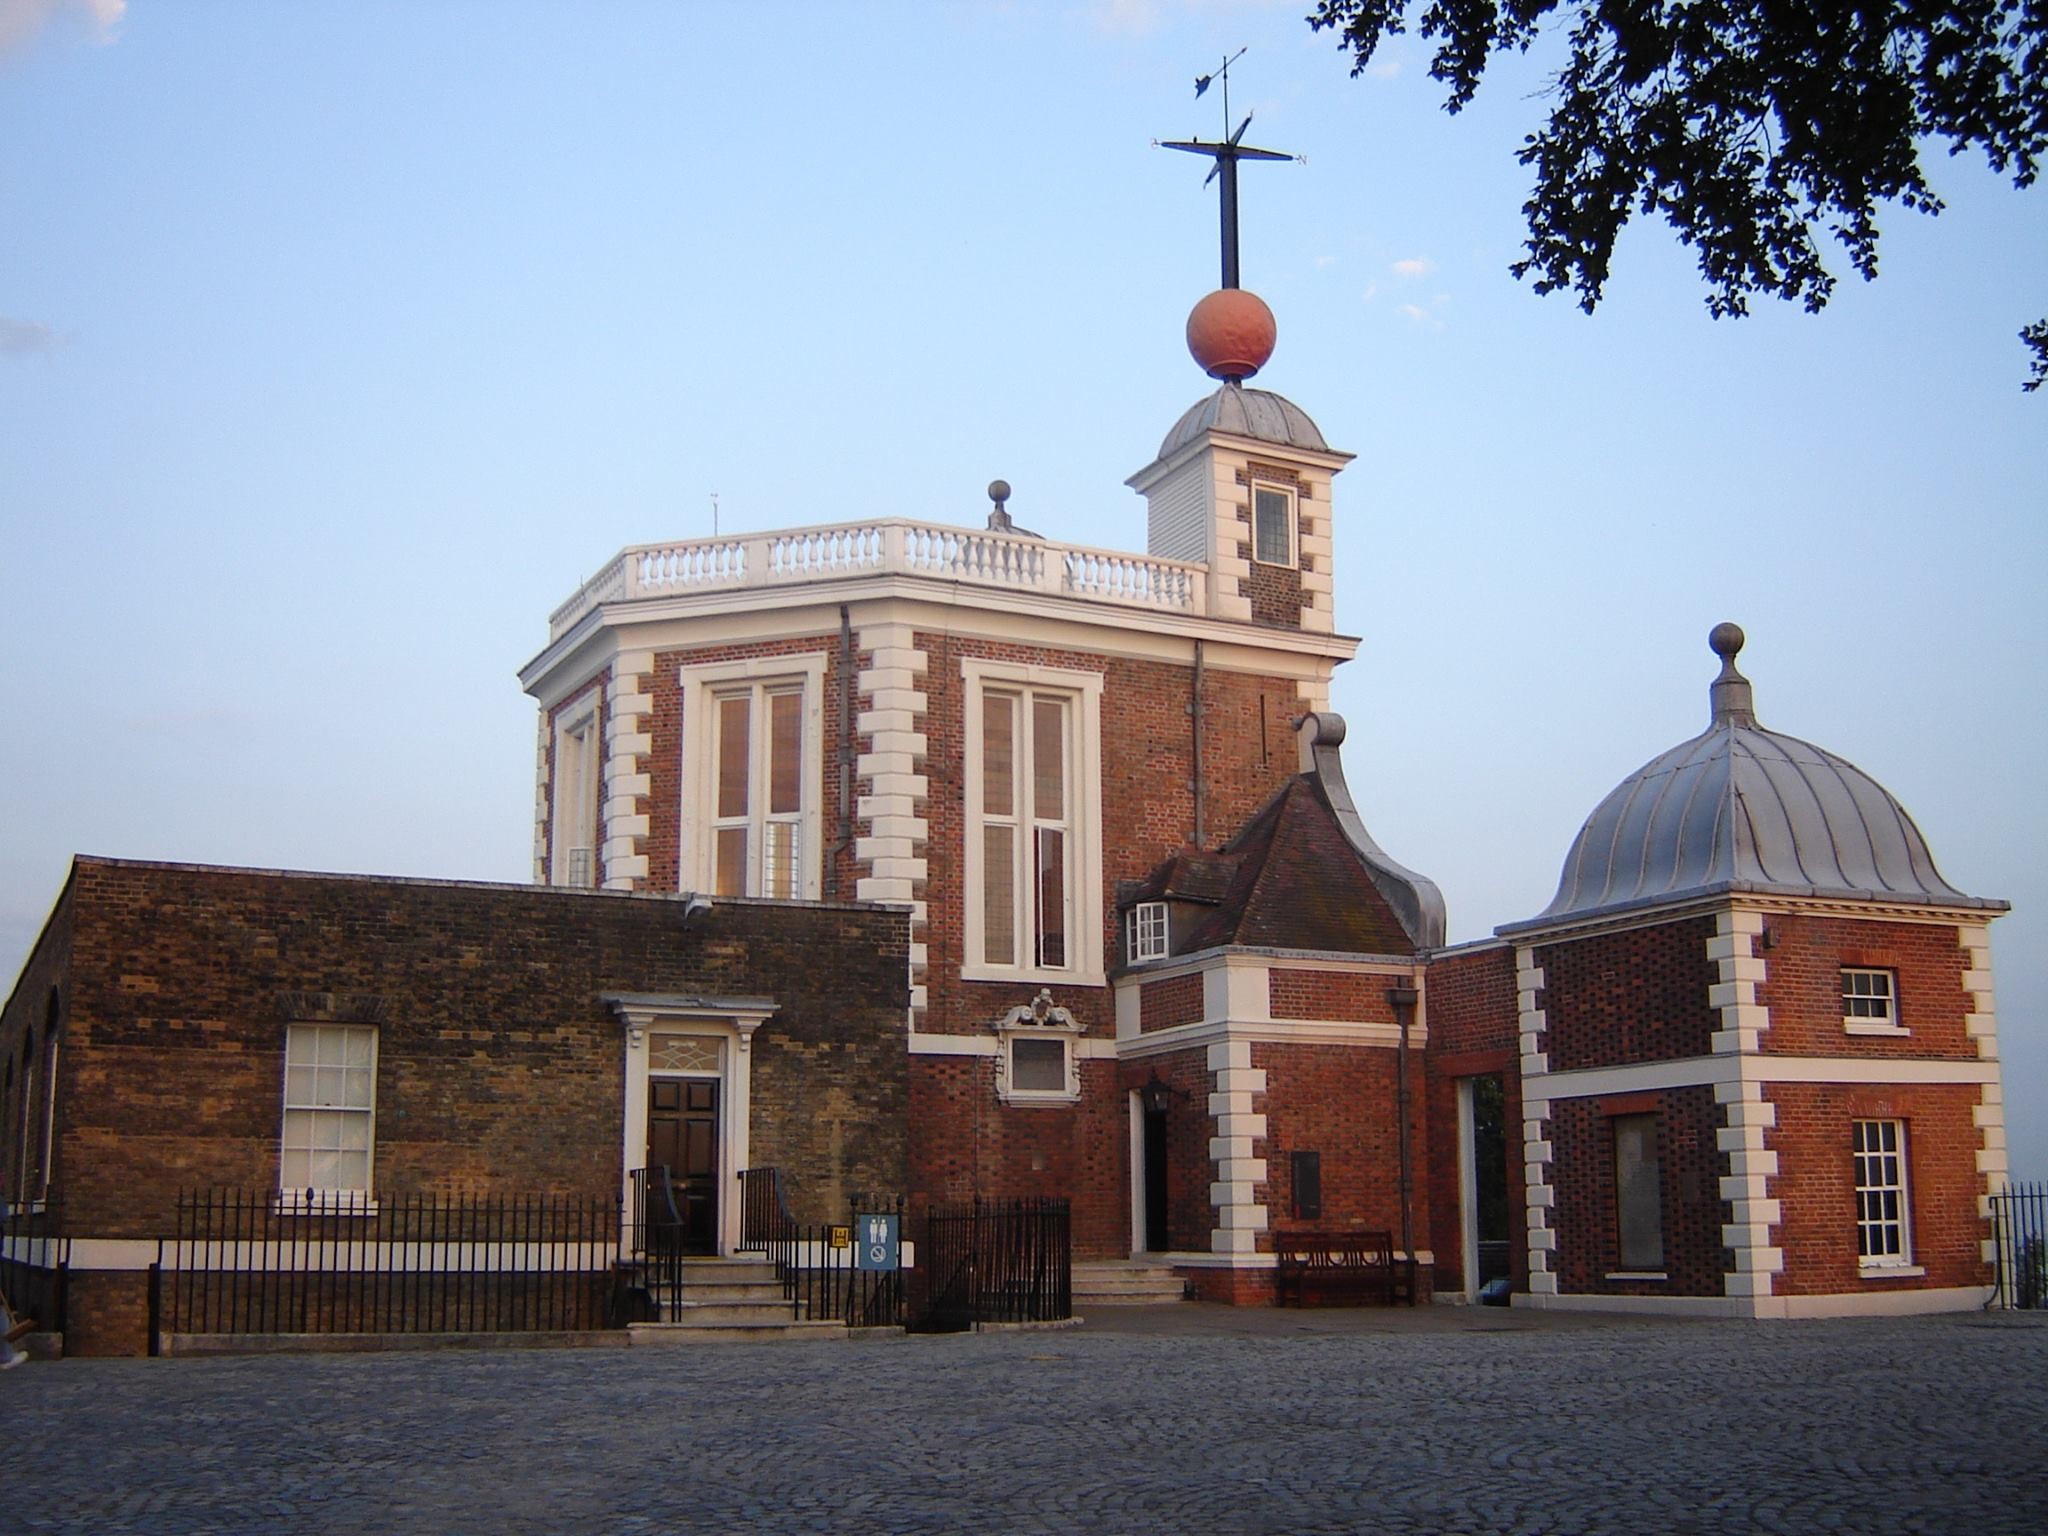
x: 677, y: 621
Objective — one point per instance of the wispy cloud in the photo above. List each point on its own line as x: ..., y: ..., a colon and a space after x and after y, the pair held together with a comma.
x: 1427, y: 316
x: 1414, y: 266
x: 19, y: 338
x: 23, y: 21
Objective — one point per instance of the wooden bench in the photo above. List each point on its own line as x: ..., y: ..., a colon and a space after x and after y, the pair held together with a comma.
x: 1343, y: 1267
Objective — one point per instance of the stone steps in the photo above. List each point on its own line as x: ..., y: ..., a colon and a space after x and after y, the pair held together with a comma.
x: 1126, y: 1283
x: 732, y: 1332
x: 736, y: 1299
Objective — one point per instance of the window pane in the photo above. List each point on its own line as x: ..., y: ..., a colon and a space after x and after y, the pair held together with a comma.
x: 1271, y: 533
x: 1052, y: 897
x: 998, y: 896
x: 778, y: 859
x: 732, y: 862
x: 1638, y: 1192
x: 732, y: 758
x: 1038, y: 1066
x: 298, y: 1085
x: 785, y: 752
x: 1048, y: 760
x: 998, y: 754
x: 1881, y: 1227
x: 295, y: 1171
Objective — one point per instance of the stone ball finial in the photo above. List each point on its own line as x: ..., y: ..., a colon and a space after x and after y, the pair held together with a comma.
x: 999, y: 491
x: 1725, y: 640
x: 1231, y: 334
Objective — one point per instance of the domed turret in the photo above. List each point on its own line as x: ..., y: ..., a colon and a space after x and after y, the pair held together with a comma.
x: 1740, y: 808
x: 1258, y: 414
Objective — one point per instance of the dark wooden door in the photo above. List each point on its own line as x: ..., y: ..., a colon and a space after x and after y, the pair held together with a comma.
x: 1157, y: 1239
x: 682, y: 1136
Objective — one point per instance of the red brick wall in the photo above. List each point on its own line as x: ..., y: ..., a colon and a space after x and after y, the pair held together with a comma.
x: 1469, y: 1002
x: 1803, y: 986
x: 1474, y: 1030
x: 1816, y: 1189
x: 663, y: 804
x: 1175, y: 1000
x: 1339, y: 1101
x: 1634, y: 996
x: 1147, y: 812
x: 1295, y: 993
x: 499, y: 1067
x: 1249, y: 750
x: 1190, y: 1217
x: 1275, y: 590
x: 965, y: 1142
x: 25, y: 1056
x: 1588, y: 1237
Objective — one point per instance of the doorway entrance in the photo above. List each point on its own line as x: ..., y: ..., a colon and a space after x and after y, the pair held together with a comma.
x: 1483, y: 1177
x: 682, y: 1136
x: 1157, y: 1238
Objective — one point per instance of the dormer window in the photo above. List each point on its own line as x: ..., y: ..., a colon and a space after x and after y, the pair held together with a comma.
x: 1145, y: 932
x: 1272, y: 524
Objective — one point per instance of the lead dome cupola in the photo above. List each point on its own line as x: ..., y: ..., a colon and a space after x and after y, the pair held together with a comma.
x: 1742, y: 809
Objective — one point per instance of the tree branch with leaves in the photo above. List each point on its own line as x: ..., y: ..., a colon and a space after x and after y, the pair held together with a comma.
x: 1756, y: 128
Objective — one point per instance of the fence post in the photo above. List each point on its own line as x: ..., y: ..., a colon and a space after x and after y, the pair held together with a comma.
x: 156, y: 1298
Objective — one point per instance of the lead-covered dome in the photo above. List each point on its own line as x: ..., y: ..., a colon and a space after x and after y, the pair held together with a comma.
x: 1255, y: 413
x: 1740, y: 808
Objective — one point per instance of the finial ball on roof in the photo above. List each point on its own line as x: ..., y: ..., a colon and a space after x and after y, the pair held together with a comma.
x: 999, y: 491
x: 1725, y: 640
x: 1231, y: 334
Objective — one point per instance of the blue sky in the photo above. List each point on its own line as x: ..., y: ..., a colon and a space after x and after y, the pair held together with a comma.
x: 338, y: 342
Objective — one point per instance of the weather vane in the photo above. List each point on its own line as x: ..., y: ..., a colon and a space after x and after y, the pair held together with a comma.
x: 1226, y: 152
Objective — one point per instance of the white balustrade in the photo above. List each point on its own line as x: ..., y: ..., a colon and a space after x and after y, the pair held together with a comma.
x: 887, y: 546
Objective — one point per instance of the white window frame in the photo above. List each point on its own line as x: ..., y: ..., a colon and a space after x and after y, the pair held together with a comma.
x: 1039, y: 1020
x: 1146, y: 932
x: 1083, y: 692
x: 1293, y: 499
x: 1860, y: 995
x: 701, y: 687
x: 1646, y: 1129
x: 314, y: 1197
x: 1884, y: 1207
x: 576, y: 818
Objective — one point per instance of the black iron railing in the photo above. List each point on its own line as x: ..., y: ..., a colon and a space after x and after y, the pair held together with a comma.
x: 653, y: 1270
x: 35, y: 1264
x: 820, y: 1264
x: 2019, y: 1226
x: 996, y: 1261
x: 255, y: 1262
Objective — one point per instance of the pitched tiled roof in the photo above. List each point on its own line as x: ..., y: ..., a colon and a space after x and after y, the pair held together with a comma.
x: 1299, y: 884
x: 1303, y: 873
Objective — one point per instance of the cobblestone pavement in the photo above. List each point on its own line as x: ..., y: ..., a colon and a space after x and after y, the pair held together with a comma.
x: 1202, y: 1422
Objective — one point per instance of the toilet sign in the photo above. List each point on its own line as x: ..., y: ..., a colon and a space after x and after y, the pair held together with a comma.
x: 874, y: 1242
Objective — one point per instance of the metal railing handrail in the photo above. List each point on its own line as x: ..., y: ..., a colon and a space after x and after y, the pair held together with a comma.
x: 2019, y: 1232
x: 815, y: 1262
